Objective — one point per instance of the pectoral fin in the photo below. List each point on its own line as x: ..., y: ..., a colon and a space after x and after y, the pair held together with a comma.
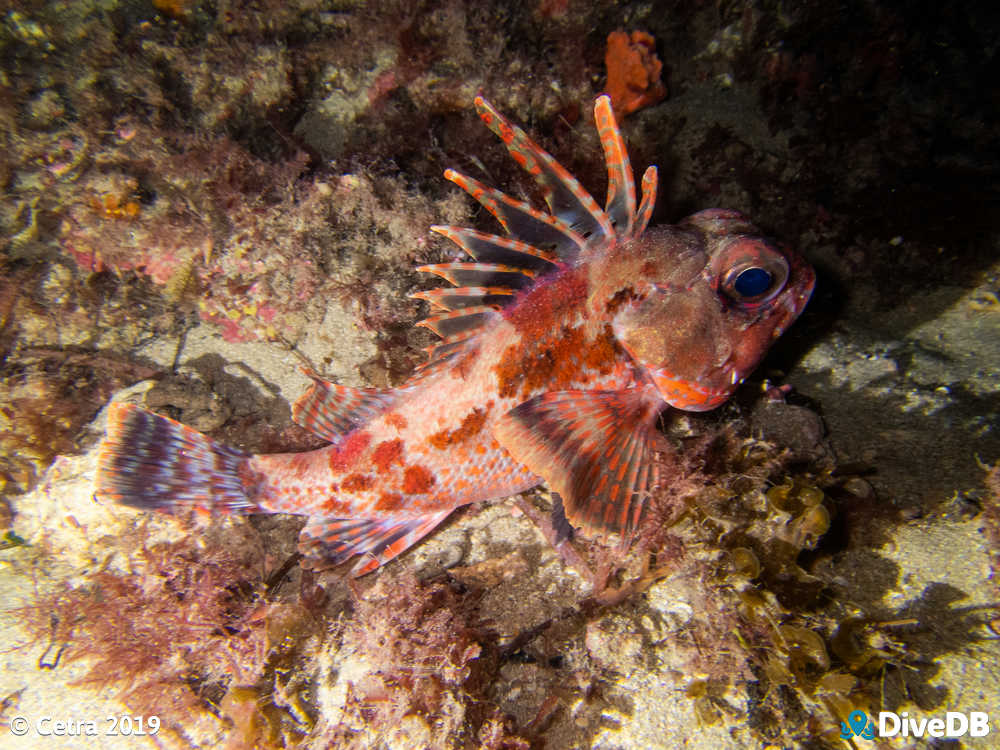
x: 594, y: 448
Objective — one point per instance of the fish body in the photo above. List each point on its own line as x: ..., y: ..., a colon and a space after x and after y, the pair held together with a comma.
x: 561, y: 343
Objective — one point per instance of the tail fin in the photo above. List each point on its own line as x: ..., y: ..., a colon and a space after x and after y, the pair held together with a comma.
x: 149, y: 461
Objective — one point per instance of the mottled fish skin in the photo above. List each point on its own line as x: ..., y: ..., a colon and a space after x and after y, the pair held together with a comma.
x: 561, y: 344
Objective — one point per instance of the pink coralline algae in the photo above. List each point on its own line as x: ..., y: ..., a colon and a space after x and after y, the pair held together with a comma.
x: 211, y: 219
x: 249, y: 243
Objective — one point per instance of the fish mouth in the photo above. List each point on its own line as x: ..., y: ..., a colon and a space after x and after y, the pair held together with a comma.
x: 689, y: 395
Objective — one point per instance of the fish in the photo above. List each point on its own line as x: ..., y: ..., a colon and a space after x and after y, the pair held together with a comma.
x: 561, y: 342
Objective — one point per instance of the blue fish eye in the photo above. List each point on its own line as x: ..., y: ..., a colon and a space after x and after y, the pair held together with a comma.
x: 752, y: 282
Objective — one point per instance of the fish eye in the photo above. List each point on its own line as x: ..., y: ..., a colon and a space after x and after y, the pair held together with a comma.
x: 752, y: 282
x: 756, y: 273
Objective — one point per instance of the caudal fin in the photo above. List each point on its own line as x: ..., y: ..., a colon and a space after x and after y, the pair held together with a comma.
x: 149, y: 461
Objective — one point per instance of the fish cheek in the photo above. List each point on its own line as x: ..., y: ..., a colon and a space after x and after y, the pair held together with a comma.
x: 683, y: 332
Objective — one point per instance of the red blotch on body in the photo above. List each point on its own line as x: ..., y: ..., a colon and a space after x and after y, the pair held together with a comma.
x: 332, y: 504
x: 357, y: 482
x: 560, y: 358
x: 389, y: 501
x: 417, y: 480
x: 387, y: 453
x: 346, y: 455
x: 548, y: 303
x: 472, y: 424
x: 552, y: 350
x: 396, y: 420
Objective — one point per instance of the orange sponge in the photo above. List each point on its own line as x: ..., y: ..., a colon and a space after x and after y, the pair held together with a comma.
x: 633, y: 71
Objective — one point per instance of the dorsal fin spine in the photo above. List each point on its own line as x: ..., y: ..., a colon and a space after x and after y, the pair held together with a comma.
x: 468, y: 238
x: 455, y: 298
x: 522, y: 220
x: 645, y: 212
x: 457, y: 322
x: 453, y: 273
x: 621, y: 183
x: 566, y: 198
x: 506, y: 265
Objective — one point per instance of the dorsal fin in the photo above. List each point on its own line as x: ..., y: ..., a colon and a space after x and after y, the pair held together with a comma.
x: 457, y: 329
x: 331, y: 410
x: 489, y: 248
x: 449, y: 325
x: 566, y: 198
x: 521, y: 220
x: 439, y: 357
x: 539, y: 242
x: 445, y: 349
x: 466, y: 296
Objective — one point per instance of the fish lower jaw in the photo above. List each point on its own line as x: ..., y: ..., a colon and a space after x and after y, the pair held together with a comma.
x: 690, y: 395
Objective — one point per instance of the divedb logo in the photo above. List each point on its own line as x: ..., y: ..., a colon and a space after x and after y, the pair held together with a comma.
x: 890, y: 724
x: 954, y: 724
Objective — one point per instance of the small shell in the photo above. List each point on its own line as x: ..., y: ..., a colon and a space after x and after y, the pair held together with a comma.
x: 744, y: 562
x: 810, y: 496
x: 810, y: 526
x: 779, y: 497
x: 805, y: 645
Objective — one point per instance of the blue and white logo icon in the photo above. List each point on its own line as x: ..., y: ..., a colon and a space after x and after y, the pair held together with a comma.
x: 857, y: 725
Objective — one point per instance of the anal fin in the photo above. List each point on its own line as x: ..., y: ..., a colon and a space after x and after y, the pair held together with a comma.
x: 593, y: 448
x: 327, y: 542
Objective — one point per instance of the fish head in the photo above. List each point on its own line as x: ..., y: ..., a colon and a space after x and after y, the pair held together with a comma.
x: 709, y: 298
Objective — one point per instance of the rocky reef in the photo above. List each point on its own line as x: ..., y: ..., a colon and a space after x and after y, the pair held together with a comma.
x: 202, y: 197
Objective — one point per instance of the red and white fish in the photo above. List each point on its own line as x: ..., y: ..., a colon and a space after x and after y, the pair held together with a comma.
x: 561, y: 344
